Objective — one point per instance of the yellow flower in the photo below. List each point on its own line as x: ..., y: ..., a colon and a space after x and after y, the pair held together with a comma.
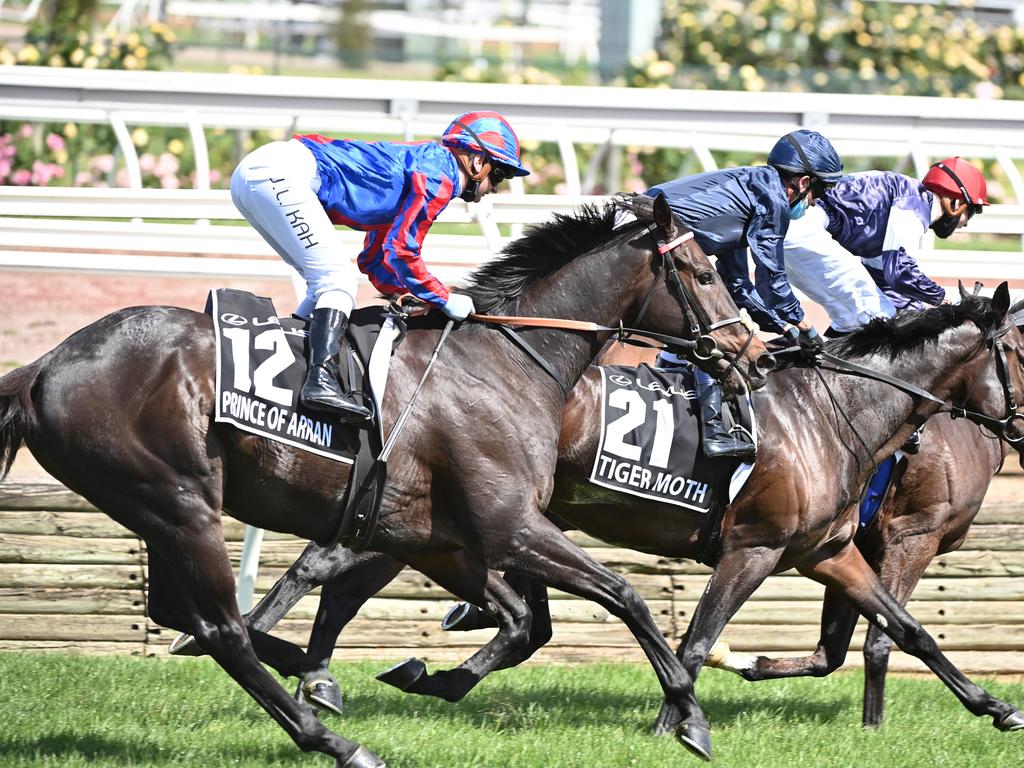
x: 28, y: 54
x: 91, y: 62
x: 864, y: 39
x: 140, y: 137
x: 175, y: 146
x: 70, y: 130
x: 60, y: 156
x: 132, y: 39
x: 820, y: 79
x: 7, y: 58
x: 130, y: 62
x: 77, y: 56
x: 747, y: 72
x: 98, y: 48
x: 141, y: 52
x: 55, y: 61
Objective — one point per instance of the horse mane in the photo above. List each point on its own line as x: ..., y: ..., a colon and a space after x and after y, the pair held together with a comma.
x: 545, y: 248
x: 910, y: 330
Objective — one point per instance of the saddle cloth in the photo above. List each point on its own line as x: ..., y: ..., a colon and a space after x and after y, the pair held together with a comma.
x: 650, y: 442
x: 262, y: 363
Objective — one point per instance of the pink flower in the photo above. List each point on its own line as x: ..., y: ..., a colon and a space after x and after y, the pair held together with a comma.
x: 215, y: 176
x: 55, y: 141
x: 102, y: 163
x: 21, y: 177
x: 5, y: 167
x: 83, y: 179
x: 147, y: 162
x: 25, y: 131
x: 170, y: 182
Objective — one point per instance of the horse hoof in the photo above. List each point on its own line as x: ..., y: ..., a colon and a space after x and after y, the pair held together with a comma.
x: 361, y: 758
x: 695, y: 738
x: 1012, y: 722
x: 405, y: 674
x: 464, y: 617
x: 185, y: 645
x: 322, y: 692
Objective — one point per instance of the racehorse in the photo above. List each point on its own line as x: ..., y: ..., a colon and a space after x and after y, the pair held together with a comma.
x: 121, y: 413
x: 927, y: 513
x: 789, y: 514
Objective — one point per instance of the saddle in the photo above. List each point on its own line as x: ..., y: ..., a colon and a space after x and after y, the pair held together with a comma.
x: 261, y: 366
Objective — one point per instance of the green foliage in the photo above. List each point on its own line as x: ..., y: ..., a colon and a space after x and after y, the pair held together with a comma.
x: 149, y: 713
x: 851, y: 47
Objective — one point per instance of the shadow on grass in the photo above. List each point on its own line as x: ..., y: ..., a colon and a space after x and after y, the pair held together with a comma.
x: 131, y: 751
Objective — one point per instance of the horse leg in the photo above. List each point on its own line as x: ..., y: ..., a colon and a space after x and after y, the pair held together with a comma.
x: 205, y: 586
x: 849, y: 573
x: 739, y: 572
x: 838, y: 621
x: 466, y: 576
x: 900, y: 565
x: 541, y: 550
x: 349, y: 579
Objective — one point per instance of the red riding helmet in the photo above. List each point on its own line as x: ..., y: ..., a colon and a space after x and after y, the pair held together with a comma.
x: 955, y: 177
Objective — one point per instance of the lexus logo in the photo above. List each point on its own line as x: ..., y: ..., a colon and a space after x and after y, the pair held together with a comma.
x: 229, y: 318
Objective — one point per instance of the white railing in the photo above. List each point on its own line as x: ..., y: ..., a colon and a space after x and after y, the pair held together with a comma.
x: 912, y: 131
x: 199, y: 232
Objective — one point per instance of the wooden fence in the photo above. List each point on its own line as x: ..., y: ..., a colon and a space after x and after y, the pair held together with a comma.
x: 73, y: 580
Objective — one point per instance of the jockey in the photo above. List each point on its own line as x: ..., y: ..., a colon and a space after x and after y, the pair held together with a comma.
x: 882, y: 218
x: 733, y: 210
x: 294, y: 192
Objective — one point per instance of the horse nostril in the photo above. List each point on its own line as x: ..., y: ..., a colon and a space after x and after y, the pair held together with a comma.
x: 765, y: 362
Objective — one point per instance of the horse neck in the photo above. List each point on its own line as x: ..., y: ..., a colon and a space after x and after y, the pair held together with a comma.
x: 883, y: 416
x: 600, y: 287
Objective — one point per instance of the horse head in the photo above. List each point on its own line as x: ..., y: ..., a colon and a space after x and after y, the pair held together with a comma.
x: 726, y: 347
x: 995, y: 379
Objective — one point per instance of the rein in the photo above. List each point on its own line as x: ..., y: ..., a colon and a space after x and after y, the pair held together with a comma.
x: 703, y: 347
x: 998, y: 426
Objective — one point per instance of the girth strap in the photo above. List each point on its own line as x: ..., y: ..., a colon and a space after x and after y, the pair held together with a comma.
x: 538, y: 358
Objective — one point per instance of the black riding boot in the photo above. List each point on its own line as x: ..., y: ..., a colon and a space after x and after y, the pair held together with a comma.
x: 716, y: 440
x: 323, y: 390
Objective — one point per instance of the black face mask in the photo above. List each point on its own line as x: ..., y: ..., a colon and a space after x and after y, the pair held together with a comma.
x: 469, y: 191
x: 945, y: 226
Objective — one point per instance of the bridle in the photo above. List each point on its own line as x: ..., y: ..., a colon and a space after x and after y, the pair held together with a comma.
x: 999, y: 426
x: 703, y: 346
x: 699, y: 324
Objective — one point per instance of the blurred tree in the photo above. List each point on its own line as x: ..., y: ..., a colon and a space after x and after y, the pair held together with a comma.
x: 352, y: 34
x: 60, y: 19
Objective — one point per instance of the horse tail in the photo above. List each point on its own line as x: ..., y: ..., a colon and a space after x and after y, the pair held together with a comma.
x: 16, y: 413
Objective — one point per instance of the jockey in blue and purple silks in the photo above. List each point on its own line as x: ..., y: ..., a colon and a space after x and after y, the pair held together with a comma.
x: 294, y: 192
x: 855, y: 254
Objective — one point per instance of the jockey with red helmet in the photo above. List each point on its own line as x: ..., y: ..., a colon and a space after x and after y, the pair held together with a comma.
x: 294, y: 192
x: 880, y: 217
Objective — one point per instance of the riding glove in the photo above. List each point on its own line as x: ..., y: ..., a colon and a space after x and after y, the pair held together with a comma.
x: 809, y: 341
x: 458, y: 306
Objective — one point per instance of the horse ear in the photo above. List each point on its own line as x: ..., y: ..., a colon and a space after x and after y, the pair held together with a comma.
x: 662, y: 213
x: 1001, y: 299
x: 964, y: 295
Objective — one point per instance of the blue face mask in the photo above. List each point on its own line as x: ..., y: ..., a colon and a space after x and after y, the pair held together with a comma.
x: 798, y: 209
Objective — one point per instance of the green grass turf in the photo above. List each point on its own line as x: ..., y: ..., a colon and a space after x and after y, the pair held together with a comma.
x: 75, y: 711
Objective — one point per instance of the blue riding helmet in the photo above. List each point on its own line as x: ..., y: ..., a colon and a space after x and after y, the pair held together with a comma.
x: 810, y: 153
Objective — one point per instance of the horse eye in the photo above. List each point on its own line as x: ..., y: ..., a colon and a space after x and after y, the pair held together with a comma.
x: 705, y: 278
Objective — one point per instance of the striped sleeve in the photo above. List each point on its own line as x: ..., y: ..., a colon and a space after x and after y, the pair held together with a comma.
x: 371, y: 263
x: 404, y: 240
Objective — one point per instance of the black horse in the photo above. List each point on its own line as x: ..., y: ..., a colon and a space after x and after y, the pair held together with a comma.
x: 928, y: 513
x: 121, y: 412
x: 791, y: 513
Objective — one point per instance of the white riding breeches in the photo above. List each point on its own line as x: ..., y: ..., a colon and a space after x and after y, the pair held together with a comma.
x: 274, y: 188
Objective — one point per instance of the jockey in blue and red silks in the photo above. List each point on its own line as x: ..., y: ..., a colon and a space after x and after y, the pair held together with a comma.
x: 294, y: 192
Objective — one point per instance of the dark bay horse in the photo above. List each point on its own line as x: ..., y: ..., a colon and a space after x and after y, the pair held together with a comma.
x: 928, y: 513
x: 790, y: 514
x: 121, y: 413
